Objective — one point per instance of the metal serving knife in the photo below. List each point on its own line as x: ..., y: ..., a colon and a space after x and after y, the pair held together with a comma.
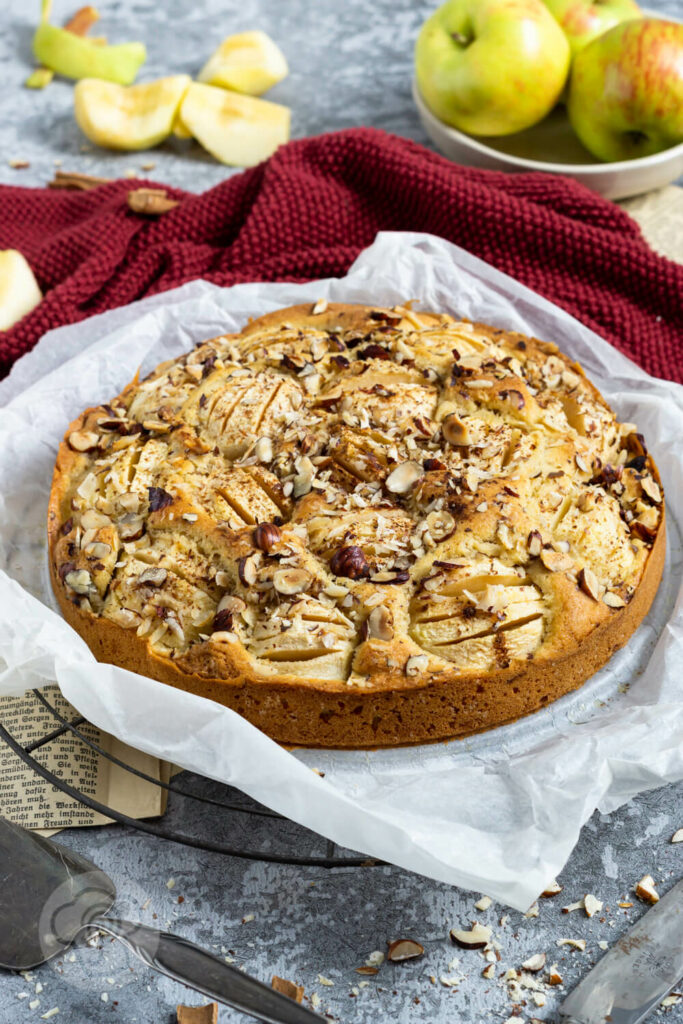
x: 637, y: 973
x: 51, y: 897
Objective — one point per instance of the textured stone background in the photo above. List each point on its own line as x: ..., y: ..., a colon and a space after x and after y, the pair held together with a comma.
x: 350, y: 64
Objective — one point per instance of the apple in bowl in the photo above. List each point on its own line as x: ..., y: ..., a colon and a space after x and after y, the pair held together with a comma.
x: 626, y: 90
x: 583, y: 20
x: 491, y: 67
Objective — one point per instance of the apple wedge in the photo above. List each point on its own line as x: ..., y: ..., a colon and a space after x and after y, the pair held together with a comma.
x: 236, y: 129
x: 128, y: 117
x: 19, y: 291
x: 249, y: 62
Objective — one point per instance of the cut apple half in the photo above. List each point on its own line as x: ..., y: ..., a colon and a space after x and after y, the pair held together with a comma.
x: 236, y: 129
x: 19, y: 291
x: 249, y: 62
x: 128, y: 117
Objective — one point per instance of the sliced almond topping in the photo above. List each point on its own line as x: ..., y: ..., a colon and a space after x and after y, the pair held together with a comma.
x: 581, y: 463
x: 556, y: 561
x: 367, y: 969
x: 613, y: 600
x: 404, y: 949
x: 591, y: 904
x: 404, y: 477
x: 573, y: 906
x: 645, y: 890
x: 677, y: 837
x: 320, y: 307
x: 535, y: 963
x: 484, y: 903
x: 478, y: 937
x: 589, y: 583
x: 533, y: 910
x: 489, y: 972
x: 416, y: 663
x: 534, y: 543
x: 83, y: 440
x: 291, y: 581
x: 625, y: 904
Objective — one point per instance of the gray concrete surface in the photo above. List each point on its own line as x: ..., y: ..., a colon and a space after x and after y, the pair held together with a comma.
x: 350, y: 64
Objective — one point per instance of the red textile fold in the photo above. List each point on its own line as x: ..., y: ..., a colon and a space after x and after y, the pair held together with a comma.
x: 309, y: 210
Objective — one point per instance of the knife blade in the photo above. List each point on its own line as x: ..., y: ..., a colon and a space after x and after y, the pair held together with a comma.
x: 637, y: 973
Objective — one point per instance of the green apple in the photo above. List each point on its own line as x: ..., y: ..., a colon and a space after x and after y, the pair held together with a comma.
x: 626, y: 90
x: 583, y: 20
x: 491, y: 67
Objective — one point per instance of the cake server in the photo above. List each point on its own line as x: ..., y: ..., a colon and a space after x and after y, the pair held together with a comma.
x: 635, y: 975
x: 50, y: 897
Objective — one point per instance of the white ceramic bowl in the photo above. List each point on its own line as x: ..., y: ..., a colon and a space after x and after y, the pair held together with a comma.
x: 552, y: 146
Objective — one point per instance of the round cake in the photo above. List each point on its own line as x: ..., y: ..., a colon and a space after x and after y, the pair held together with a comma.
x: 359, y: 527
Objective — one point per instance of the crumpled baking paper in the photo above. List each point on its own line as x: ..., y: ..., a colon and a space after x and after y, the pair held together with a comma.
x: 498, y: 813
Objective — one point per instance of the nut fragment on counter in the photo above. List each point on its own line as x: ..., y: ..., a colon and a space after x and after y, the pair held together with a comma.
x: 535, y: 963
x: 404, y: 949
x: 579, y: 944
x: 478, y: 937
x: 554, y: 889
x: 645, y: 890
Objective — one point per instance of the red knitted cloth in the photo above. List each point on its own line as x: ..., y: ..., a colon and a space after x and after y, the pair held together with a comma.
x: 309, y: 210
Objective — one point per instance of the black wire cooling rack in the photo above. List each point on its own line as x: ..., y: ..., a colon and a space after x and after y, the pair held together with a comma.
x: 253, y: 809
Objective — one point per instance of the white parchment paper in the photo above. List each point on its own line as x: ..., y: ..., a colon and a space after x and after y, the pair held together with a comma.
x: 498, y: 813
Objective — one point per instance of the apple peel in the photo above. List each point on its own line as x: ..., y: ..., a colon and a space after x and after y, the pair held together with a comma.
x: 74, y: 56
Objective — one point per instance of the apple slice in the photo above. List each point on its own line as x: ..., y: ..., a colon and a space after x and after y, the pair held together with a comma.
x: 128, y: 117
x: 236, y: 129
x: 249, y: 63
x: 19, y: 291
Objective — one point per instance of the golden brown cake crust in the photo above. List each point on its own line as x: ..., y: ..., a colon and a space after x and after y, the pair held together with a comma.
x: 358, y: 526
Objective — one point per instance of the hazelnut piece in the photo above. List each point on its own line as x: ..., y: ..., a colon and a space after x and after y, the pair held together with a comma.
x: 404, y: 477
x: 291, y: 581
x: 454, y: 431
x: 267, y: 536
x: 477, y: 938
x: 404, y: 949
x: 350, y: 562
x: 83, y: 440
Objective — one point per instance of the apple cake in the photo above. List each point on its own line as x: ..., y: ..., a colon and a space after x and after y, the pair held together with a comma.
x: 359, y: 526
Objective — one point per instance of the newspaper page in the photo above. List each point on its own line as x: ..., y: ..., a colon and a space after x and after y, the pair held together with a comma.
x: 29, y: 800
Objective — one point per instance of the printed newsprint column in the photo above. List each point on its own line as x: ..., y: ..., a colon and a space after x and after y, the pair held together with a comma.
x: 27, y: 799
